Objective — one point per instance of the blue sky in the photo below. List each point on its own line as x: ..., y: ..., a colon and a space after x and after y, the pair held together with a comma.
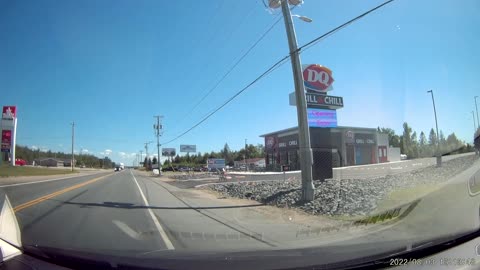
x: 111, y: 65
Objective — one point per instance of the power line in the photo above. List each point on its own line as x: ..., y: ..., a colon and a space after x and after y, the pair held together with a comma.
x: 232, y: 67
x: 236, y: 64
x: 230, y: 99
x: 277, y: 65
x: 316, y: 40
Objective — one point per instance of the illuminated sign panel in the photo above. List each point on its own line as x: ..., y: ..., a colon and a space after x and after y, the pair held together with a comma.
x: 321, y: 118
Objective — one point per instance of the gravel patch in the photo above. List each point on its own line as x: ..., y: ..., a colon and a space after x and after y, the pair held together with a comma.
x: 350, y: 197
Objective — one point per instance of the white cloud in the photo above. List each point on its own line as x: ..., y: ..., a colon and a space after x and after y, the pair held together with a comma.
x: 85, y: 151
x: 107, y: 152
x: 34, y: 147
x: 102, y: 153
x: 133, y: 154
x: 122, y: 154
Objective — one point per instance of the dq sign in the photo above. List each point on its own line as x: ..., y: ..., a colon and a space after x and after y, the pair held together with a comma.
x: 317, y: 78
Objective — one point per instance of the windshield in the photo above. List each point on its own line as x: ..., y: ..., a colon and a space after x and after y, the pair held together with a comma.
x: 161, y: 128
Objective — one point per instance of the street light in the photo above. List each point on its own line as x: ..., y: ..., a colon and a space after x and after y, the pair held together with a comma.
x: 474, y: 127
x: 439, y: 157
x: 305, y: 151
x: 476, y: 107
x: 303, y: 18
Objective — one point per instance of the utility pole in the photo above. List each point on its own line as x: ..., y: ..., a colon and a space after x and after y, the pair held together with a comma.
x: 439, y: 157
x: 73, y: 140
x: 476, y: 107
x: 157, y: 129
x: 306, y: 158
x: 146, y: 148
x: 474, y: 127
x: 141, y: 155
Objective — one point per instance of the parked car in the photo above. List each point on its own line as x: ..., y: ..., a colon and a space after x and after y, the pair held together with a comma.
x: 403, y: 156
x: 20, y: 162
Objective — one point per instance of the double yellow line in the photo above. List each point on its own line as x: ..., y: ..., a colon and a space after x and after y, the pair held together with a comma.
x: 54, y: 194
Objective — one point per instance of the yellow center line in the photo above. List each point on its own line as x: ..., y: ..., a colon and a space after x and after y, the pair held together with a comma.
x: 56, y: 193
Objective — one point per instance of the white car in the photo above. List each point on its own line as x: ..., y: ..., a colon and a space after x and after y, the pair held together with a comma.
x: 403, y: 156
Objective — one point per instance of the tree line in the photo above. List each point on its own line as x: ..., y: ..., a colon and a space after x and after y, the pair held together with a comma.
x: 416, y: 145
x: 87, y: 160
x: 199, y: 159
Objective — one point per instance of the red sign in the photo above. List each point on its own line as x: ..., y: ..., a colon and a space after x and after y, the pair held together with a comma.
x: 317, y: 78
x: 6, y: 136
x: 9, y: 112
x: 6, y: 139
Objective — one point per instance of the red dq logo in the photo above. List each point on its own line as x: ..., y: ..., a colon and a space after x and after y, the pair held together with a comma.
x: 317, y: 78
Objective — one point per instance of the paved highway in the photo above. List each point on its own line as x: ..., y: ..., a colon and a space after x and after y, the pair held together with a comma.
x: 129, y: 213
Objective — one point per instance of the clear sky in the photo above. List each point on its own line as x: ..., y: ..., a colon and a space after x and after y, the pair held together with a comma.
x: 112, y: 65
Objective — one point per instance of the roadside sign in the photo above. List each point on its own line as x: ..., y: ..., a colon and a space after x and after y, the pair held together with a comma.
x: 215, y: 163
x: 188, y: 148
x: 320, y: 101
x: 9, y: 112
x: 317, y: 78
x: 168, y: 152
x: 285, y: 168
x: 322, y: 118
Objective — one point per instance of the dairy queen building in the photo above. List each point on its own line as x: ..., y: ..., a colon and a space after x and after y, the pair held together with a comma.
x: 332, y: 145
x: 346, y: 146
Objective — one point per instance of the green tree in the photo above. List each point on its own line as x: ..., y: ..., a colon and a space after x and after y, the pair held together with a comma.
x: 422, y: 145
x: 393, y: 139
x: 154, y: 160
x: 414, y: 145
x: 145, y: 162
x: 407, y: 139
x: 149, y: 164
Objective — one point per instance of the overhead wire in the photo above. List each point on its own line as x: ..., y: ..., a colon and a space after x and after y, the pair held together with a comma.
x: 229, y: 100
x: 225, y: 75
x: 277, y: 65
x: 318, y: 39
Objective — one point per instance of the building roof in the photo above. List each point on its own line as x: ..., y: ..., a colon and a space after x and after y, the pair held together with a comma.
x: 295, y: 130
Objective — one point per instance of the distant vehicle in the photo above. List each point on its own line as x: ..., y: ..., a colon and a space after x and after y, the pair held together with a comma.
x: 403, y: 157
x: 20, y: 162
x: 122, y: 166
x: 117, y: 169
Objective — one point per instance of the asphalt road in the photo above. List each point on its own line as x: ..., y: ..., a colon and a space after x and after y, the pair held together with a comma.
x: 121, y: 212
x: 127, y: 213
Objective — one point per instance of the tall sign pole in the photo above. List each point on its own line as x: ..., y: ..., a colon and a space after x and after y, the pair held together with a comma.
x: 9, y: 133
x: 306, y: 158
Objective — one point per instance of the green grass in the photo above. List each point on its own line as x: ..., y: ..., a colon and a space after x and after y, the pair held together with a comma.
x: 9, y: 171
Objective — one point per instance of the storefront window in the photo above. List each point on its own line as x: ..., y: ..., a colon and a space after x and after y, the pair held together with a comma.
x: 283, y: 158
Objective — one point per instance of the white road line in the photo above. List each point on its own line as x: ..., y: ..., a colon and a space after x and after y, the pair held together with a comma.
x: 396, y: 168
x: 160, y: 229
x: 43, y: 181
